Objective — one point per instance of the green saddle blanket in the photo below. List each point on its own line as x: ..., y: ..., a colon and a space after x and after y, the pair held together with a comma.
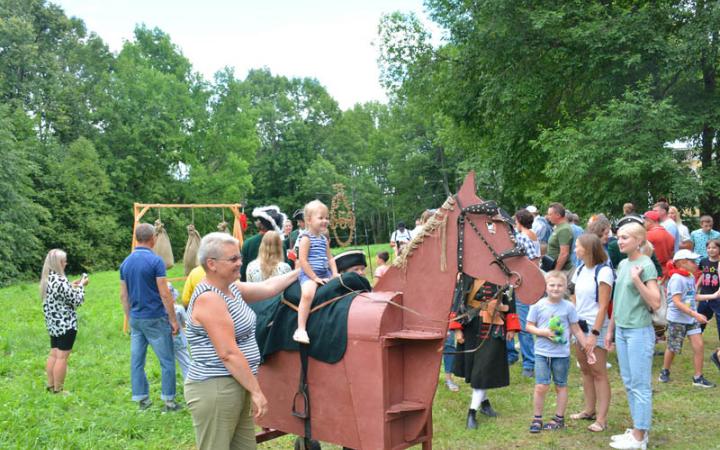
x: 326, y: 327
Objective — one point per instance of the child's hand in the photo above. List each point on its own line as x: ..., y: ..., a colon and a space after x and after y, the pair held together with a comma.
x: 320, y: 281
x: 459, y: 337
x: 700, y: 318
x: 591, y: 358
x: 548, y: 333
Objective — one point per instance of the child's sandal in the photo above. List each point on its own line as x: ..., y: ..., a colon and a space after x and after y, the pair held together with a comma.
x: 536, y: 426
x: 554, y: 424
x: 596, y: 427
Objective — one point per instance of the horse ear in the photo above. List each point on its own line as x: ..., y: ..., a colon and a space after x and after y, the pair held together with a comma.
x: 467, y: 190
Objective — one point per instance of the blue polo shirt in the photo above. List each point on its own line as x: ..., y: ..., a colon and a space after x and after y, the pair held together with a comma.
x: 140, y: 272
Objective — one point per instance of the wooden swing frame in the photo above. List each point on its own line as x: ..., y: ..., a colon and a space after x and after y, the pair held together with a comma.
x: 139, y: 210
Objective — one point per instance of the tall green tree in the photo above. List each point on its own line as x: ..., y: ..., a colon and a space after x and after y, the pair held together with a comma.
x: 20, y: 215
x: 82, y: 221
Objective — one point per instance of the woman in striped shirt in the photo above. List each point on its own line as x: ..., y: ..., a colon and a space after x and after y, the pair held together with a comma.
x: 221, y: 391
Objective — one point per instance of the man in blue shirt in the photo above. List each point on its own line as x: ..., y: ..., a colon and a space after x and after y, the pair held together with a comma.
x: 148, y: 305
x: 701, y: 236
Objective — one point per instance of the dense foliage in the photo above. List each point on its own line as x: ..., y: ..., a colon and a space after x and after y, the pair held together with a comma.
x: 546, y: 100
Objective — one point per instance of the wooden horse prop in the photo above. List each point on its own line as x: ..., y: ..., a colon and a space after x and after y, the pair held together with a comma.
x: 379, y: 396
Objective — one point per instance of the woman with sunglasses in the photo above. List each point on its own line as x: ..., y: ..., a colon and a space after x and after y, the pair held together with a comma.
x: 221, y: 390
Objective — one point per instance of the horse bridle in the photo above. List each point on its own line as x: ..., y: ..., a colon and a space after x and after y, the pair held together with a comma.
x: 491, y: 209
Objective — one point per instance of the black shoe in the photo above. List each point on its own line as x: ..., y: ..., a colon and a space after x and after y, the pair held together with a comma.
x: 714, y: 358
x: 171, y: 405
x: 471, y: 420
x: 664, y: 376
x: 486, y: 409
x: 144, y: 404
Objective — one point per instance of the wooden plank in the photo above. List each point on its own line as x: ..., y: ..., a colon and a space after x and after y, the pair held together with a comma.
x: 183, y: 205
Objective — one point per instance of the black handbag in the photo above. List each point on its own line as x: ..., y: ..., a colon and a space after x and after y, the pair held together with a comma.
x: 547, y: 263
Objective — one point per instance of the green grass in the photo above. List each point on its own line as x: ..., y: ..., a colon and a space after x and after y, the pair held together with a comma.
x: 99, y: 413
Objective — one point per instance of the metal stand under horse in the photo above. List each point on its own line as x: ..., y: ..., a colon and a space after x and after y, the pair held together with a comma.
x: 380, y: 395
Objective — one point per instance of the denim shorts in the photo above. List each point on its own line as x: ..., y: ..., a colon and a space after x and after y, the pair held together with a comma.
x: 558, y: 367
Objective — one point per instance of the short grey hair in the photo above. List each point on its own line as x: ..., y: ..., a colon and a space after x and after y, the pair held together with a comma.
x: 144, y: 232
x: 211, y: 246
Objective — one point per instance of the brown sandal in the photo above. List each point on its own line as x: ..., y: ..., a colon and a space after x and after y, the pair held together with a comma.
x: 583, y: 416
x: 596, y: 427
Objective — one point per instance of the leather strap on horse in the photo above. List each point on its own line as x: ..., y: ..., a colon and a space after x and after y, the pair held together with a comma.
x: 304, y: 394
x: 326, y: 302
x: 491, y: 209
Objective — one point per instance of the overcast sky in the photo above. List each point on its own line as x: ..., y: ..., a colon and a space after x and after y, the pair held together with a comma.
x: 331, y: 40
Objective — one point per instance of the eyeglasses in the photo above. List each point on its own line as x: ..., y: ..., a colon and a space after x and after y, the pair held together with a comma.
x: 232, y: 259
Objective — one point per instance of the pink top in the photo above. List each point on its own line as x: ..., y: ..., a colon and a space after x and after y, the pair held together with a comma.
x: 380, y: 271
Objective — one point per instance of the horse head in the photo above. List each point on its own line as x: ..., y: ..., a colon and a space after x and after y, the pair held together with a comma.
x: 486, y: 247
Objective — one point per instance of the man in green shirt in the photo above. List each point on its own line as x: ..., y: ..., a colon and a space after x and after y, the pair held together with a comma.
x: 561, y: 240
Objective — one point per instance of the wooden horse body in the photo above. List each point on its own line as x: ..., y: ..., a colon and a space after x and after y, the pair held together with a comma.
x: 379, y: 396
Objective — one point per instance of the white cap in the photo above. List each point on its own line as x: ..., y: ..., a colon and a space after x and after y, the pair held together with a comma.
x: 685, y: 254
x: 532, y: 209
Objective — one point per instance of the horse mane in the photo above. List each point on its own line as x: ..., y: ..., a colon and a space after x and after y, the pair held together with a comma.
x: 435, y: 222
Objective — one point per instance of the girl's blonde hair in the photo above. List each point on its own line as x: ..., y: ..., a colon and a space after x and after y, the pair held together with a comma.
x: 638, y: 232
x: 270, y: 253
x: 312, y: 208
x: 53, y: 261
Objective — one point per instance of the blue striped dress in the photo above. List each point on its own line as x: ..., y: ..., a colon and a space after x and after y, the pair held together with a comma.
x: 205, y: 361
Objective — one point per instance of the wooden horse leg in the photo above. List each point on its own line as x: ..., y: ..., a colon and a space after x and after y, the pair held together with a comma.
x: 427, y: 443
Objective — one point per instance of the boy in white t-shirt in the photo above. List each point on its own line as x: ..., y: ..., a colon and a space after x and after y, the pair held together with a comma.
x: 682, y: 316
x: 551, y: 320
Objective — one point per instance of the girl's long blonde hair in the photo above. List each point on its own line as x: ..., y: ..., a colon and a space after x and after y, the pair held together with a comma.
x: 270, y: 253
x: 53, y: 261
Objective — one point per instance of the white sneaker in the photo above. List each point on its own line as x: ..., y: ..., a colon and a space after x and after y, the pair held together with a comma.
x: 301, y: 336
x: 630, y: 443
x: 621, y: 437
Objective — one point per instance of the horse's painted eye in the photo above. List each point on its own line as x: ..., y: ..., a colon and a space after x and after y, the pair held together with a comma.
x: 490, y: 227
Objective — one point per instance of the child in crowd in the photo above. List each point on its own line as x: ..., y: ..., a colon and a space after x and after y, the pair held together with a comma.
x: 709, y: 282
x: 317, y: 265
x: 179, y: 340
x: 550, y: 319
x: 682, y: 316
x: 381, y: 259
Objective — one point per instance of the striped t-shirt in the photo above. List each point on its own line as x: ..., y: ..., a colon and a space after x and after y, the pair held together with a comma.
x: 205, y: 361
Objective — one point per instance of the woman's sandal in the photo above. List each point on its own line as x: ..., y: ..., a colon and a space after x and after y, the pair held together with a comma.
x: 536, y: 426
x: 583, y: 416
x: 596, y: 427
x: 554, y: 424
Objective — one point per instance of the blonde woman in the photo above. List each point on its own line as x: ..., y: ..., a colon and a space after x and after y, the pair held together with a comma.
x: 685, y: 241
x: 270, y: 261
x: 60, y: 298
x: 636, y: 295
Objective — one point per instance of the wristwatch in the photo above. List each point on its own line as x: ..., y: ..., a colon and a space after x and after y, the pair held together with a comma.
x: 595, y: 332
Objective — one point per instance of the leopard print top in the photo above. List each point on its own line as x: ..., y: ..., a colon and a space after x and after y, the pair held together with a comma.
x: 59, y: 304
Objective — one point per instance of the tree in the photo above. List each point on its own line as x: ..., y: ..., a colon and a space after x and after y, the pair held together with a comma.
x: 82, y: 222
x: 20, y: 248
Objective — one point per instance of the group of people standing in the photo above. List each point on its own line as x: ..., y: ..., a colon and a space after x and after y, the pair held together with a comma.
x: 607, y: 298
x: 602, y: 290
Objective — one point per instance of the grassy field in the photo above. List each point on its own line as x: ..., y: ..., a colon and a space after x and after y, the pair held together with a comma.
x: 98, y: 412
